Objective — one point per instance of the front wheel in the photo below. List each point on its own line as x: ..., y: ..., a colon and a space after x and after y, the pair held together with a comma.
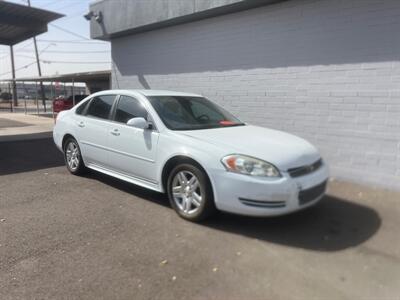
x: 190, y: 192
x: 73, y: 157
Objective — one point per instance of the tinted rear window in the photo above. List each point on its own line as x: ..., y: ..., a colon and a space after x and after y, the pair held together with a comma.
x: 82, y: 107
x: 100, y: 106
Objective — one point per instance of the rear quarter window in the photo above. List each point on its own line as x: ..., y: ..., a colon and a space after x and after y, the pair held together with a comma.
x: 81, y: 109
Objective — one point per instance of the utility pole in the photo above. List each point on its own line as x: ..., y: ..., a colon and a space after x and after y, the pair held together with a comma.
x: 39, y: 69
x: 14, y: 84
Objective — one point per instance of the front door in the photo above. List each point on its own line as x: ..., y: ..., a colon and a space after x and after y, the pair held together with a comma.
x: 132, y: 150
x: 93, y: 131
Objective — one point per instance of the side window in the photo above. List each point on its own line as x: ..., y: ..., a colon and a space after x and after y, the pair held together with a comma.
x: 100, y: 106
x: 129, y: 108
x: 81, y: 108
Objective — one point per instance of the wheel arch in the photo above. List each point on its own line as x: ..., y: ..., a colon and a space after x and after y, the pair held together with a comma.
x: 174, y: 161
x: 65, y: 138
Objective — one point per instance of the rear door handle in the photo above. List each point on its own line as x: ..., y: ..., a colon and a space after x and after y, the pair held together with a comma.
x: 81, y: 124
x: 115, y: 132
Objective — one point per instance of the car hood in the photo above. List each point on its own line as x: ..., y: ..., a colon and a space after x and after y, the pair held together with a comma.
x: 282, y: 149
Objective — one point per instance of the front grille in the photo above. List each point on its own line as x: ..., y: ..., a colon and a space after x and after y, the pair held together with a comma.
x: 304, y: 170
x: 308, y: 195
x: 267, y: 204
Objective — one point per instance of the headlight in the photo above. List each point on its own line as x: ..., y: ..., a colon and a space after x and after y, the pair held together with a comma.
x: 249, y: 166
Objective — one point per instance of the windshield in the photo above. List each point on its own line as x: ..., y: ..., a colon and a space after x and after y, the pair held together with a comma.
x: 190, y: 113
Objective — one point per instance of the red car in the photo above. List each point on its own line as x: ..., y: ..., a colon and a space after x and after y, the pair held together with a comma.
x: 60, y: 103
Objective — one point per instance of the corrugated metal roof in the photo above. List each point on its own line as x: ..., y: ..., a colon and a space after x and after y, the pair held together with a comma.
x: 20, y: 22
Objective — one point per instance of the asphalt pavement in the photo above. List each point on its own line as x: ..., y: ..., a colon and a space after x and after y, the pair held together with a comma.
x: 95, y: 237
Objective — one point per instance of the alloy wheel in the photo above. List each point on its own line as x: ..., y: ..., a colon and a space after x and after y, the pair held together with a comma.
x: 72, y: 155
x: 186, y: 192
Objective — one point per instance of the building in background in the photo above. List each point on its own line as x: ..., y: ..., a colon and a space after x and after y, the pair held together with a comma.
x: 328, y: 71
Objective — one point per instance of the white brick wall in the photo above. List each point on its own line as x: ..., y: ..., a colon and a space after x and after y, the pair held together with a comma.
x: 328, y: 71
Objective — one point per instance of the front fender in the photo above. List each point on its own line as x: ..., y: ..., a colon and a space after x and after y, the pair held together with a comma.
x: 207, y: 156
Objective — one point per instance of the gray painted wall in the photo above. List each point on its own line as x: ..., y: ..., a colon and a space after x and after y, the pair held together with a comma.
x: 122, y: 16
x: 328, y: 71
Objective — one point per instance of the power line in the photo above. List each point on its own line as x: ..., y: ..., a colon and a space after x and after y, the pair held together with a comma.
x: 65, y: 6
x: 59, y: 52
x: 54, y: 51
x: 44, y: 5
x: 74, y: 62
x: 53, y: 2
x: 75, y: 14
x: 27, y: 51
x: 23, y: 67
x: 73, y: 42
x: 27, y: 56
x: 25, y: 46
x: 57, y: 62
x: 70, y: 32
x: 78, y: 52
x: 49, y: 61
x: 66, y: 51
x: 49, y: 3
x: 15, y: 50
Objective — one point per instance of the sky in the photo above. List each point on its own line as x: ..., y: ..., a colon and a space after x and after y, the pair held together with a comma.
x: 83, y: 54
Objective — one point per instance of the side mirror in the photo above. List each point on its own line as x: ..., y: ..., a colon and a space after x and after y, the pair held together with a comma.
x: 138, y: 122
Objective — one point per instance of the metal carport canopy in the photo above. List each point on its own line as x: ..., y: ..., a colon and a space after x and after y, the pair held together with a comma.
x: 20, y: 22
x: 72, y: 77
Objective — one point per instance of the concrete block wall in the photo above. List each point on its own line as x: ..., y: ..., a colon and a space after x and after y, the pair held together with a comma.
x: 328, y: 71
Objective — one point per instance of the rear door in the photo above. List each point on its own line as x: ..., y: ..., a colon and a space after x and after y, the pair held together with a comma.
x: 132, y: 150
x: 93, y: 128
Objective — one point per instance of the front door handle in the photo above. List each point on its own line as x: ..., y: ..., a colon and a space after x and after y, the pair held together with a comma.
x: 115, y: 132
x: 81, y: 124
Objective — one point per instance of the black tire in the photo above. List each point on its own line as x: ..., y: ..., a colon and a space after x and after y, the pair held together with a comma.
x: 207, y: 205
x: 80, y: 168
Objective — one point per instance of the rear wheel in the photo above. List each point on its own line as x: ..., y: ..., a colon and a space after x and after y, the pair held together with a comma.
x: 190, y: 192
x: 73, y: 157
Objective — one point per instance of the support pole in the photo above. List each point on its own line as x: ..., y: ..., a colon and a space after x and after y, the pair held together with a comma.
x: 39, y: 69
x: 9, y: 91
x: 37, y: 100
x: 23, y: 84
x: 40, y: 75
x: 73, y: 93
x: 52, y: 96
x: 14, y: 84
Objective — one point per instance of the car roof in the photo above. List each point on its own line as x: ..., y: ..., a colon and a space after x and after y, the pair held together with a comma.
x: 153, y: 93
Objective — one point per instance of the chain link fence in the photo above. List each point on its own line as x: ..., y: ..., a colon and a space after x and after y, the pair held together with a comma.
x: 29, y: 97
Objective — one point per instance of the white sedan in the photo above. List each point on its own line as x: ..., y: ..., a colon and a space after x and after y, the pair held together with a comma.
x: 182, y: 144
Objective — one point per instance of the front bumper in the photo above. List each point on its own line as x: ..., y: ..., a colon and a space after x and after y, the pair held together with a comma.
x: 257, y: 196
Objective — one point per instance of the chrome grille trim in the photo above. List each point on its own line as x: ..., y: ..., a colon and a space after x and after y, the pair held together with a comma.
x: 305, y: 170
